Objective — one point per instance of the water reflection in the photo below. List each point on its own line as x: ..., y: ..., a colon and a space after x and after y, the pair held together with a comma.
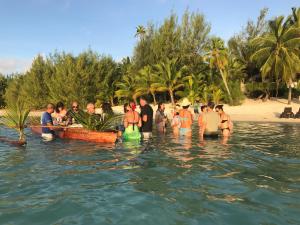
x: 168, y: 180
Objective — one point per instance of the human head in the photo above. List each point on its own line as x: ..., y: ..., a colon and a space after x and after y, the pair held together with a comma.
x: 219, y: 108
x: 143, y: 101
x: 211, y: 105
x: 59, y: 107
x: 203, y: 108
x: 127, y: 107
x: 50, y: 108
x: 161, y: 106
x: 75, y: 106
x: 90, y: 108
x: 185, y: 103
x: 106, y: 108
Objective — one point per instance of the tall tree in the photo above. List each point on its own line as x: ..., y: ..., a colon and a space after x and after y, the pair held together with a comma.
x: 278, y: 51
x: 240, y: 47
x: 168, y: 77
x: 172, y: 39
x: 126, y: 87
x: 3, y: 86
x: 140, y: 32
x: 34, y: 89
x: 145, y: 80
x: 12, y: 93
x: 218, y: 58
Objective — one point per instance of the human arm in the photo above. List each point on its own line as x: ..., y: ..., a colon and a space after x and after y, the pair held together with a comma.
x: 200, y: 121
x: 203, y: 125
x: 125, y: 122
x: 145, y: 118
x: 140, y: 122
x: 191, y: 118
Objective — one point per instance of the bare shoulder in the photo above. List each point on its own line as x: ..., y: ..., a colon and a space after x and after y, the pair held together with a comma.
x: 136, y: 113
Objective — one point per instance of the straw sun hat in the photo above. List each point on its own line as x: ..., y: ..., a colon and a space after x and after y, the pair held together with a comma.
x: 185, y: 102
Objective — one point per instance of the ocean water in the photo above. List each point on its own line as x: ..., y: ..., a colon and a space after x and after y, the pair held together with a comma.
x: 253, y: 178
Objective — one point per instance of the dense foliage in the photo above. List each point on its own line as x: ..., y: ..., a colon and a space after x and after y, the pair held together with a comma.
x: 3, y: 85
x: 173, y: 60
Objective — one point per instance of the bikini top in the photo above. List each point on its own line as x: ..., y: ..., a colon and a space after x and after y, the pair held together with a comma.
x: 184, y: 118
x: 133, y: 123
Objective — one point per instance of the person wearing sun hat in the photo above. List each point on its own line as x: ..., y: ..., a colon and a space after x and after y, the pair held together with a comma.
x: 186, y: 118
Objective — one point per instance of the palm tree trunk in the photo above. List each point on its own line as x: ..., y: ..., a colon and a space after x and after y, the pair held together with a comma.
x: 22, y: 137
x: 242, y: 86
x: 226, y: 86
x: 112, y: 101
x: 277, y: 88
x: 290, y: 94
x: 154, y: 98
x: 172, y: 97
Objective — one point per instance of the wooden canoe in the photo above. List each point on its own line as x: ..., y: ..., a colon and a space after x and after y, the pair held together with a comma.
x: 81, y: 134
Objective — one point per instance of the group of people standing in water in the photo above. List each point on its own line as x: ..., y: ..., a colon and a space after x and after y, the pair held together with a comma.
x: 139, y: 125
x: 57, y: 116
x: 212, y: 121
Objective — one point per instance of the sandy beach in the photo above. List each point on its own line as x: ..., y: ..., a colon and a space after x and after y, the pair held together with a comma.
x: 250, y: 110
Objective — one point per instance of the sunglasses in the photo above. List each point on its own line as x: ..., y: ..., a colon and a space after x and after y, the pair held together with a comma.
x: 75, y: 107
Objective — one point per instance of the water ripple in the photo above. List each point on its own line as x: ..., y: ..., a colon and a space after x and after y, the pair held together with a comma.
x: 254, y: 178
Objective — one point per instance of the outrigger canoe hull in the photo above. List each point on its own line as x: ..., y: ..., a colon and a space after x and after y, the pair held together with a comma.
x: 81, y: 134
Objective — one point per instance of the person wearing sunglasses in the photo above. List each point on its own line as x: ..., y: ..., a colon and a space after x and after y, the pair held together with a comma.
x: 71, y: 114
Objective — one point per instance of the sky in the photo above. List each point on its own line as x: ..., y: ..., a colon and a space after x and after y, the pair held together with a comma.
x: 31, y: 27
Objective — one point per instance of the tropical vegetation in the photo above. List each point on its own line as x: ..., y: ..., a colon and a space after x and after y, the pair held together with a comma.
x: 15, y: 116
x: 95, y: 123
x: 170, y: 61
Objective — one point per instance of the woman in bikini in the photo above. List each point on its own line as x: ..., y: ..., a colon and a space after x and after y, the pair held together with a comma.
x: 226, y: 125
x: 132, y: 123
x: 186, y: 119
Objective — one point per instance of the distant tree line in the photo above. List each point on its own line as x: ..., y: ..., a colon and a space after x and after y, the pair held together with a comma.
x: 174, y: 60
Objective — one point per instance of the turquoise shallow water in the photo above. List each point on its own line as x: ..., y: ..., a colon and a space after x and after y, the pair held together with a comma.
x: 254, y: 179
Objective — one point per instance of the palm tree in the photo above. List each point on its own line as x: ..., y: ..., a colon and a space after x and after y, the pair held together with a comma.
x: 295, y: 17
x: 145, y: 80
x: 217, y: 94
x: 15, y: 117
x: 193, y: 86
x: 168, y: 77
x: 127, y: 88
x: 218, y: 59
x: 278, y: 52
x: 107, y: 93
x: 140, y: 31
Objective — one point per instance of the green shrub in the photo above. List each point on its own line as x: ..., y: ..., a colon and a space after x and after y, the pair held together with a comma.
x: 237, y: 94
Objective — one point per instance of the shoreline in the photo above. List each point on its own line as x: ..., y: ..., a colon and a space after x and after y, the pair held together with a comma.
x: 250, y: 111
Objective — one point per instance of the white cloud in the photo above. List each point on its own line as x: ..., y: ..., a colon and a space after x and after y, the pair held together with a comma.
x: 13, y: 65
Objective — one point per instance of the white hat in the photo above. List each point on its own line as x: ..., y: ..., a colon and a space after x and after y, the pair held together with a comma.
x: 185, y: 102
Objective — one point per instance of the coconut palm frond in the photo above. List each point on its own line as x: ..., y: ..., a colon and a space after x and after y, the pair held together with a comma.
x: 15, y: 117
x: 109, y: 122
x: 97, y: 122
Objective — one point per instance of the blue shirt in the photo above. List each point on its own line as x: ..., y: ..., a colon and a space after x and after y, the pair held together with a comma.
x: 46, y: 118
